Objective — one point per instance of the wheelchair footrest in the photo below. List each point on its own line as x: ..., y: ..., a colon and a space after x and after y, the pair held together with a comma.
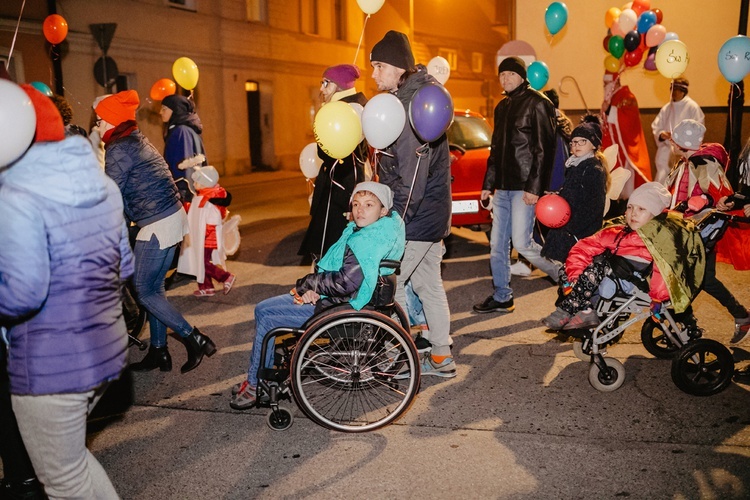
x: 273, y: 375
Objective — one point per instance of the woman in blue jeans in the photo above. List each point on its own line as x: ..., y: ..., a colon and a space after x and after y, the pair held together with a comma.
x: 151, y: 201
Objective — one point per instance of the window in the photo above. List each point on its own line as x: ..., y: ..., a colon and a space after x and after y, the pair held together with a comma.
x: 476, y: 62
x: 184, y: 4
x: 451, y: 56
x: 309, y: 16
x: 339, y: 19
x: 257, y: 10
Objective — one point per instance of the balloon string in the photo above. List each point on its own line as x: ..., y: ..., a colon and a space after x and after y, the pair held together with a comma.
x: 15, y: 35
x: 361, y: 36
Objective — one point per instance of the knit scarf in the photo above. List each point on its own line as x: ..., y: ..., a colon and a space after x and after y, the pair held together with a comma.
x: 383, y: 239
x: 122, y: 130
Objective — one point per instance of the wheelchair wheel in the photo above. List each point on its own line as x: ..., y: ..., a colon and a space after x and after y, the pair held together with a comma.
x: 355, y: 371
x: 609, y: 381
x: 703, y: 367
x: 656, y: 342
x: 280, y: 419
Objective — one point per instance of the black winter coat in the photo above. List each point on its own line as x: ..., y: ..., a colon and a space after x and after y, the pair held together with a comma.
x: 428, y: 215
x: 523, y: 143
x: 339, y: 182
x: 338, y: 286
x: 148, y: 192
x: 585, y: 190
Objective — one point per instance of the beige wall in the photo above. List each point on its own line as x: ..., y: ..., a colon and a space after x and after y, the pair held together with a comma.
x: 577, y: 50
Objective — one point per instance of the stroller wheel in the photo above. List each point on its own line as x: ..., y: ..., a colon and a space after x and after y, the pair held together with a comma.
x: 703, y: 367
x: 280, y: 419
x: 608, y: 381
x: 656, y: 342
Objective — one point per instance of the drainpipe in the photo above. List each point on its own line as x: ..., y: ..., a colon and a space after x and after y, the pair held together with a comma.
x: 56, y: 55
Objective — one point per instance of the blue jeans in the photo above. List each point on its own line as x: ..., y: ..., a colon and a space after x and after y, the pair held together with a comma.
x: 151, y: 266
x: 269, y: 314
x: 513, y: 220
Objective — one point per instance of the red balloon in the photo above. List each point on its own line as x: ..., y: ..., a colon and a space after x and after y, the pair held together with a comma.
x: 605, y: 42
x: 641, y: 6
x: 633, y: 58
x: 553, y: 210
x: 162, y: 88
x: 55, y: 28
x: 659, y: 15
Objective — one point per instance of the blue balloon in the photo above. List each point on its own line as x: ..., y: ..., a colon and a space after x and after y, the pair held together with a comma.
x: 431, y: 112
x: 645, y: 21
x: 42, y: 87
x: 671, y: 35
x: 537, y: 74
x: 556, y: 16
x: 734, y: 58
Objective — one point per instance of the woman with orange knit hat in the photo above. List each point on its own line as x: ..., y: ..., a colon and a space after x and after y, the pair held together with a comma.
x: 151, y: 201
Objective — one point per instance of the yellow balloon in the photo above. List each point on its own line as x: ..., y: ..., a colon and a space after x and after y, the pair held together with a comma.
x: 611, y: 16
x: 672, y: 58
x: 185, y: 72
x: 338, y: 129
x: 611, y: 63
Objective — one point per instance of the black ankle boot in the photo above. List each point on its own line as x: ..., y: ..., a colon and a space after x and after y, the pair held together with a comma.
x: 197, y: 346
x: 157, y: 357
x: 30, y: 489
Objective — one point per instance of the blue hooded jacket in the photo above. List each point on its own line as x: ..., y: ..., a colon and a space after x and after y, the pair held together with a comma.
x: 63, y: 254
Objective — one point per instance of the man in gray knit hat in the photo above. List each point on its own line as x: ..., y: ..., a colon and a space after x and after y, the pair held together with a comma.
x: 519, y: 169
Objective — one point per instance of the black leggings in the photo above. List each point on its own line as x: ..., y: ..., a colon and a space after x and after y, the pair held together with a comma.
x: 585, y: 288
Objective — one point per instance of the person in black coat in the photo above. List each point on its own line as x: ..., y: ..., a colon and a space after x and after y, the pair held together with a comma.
x: 585, y: 190
x: 336, y: 180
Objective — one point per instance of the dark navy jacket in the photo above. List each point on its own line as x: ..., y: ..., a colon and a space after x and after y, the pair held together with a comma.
x: 148, y: 191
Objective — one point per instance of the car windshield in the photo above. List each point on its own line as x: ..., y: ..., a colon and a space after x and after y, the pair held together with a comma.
x: 470, y: 132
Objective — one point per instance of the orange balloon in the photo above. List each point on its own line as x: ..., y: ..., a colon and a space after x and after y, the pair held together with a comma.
x: 162, y: 88
x: 55, y: 28
x: 611, y: 16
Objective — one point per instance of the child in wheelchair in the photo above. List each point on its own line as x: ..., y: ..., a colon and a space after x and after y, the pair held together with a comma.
x: 647, y: 241
x: 348, y: 272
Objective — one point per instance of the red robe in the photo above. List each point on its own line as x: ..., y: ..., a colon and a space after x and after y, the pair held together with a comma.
x: 622, y: 126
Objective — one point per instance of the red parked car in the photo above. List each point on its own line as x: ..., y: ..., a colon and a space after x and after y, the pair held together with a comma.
x: 469, y: 137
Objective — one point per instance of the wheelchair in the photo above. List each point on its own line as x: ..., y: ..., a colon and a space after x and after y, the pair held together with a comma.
x: 700, y: 367
x: 347, y: 370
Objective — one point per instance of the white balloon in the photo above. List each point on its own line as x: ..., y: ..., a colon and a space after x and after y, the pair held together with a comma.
x: 383, y: 120
x: 439, y: 68
x: 370, y: 6
x: 17, y: 122
x: 359, y: 109
x: 309, y: 162
x: 627, y: 20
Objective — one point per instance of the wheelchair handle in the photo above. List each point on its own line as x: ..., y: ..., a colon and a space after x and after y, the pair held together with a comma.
x: 390, y: 264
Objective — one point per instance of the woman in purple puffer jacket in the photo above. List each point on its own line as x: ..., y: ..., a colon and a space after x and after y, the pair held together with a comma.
x: 64, y: 253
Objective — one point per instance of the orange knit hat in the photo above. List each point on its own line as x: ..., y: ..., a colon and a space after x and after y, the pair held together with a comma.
x: 119, y: 108
x: 49, y: 123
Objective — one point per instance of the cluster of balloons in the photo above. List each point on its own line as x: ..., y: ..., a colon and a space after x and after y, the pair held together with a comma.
x: 339, y: 127
x: 734, y: 58
x: 635, y: 31
x: 185, y: 73
x: 555, y: 17
x: 55, y: 28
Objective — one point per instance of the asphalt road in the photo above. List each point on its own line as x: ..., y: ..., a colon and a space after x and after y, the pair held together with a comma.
x: 519, y: 421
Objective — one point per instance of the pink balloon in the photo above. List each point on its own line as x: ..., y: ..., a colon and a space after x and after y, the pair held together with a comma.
x: 615, y: 29
x: 655, y: 35
x: 627, y: 20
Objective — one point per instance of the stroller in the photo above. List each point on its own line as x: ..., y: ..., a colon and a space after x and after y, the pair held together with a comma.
x: 700, y: 367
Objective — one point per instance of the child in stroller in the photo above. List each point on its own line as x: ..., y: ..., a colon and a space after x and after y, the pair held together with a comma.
x: 646, y: 237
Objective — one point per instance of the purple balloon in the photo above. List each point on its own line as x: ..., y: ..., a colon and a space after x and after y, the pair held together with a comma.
x: 431, y: 112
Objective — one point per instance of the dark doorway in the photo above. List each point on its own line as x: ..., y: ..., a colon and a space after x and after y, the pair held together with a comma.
x: 252, y: 89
